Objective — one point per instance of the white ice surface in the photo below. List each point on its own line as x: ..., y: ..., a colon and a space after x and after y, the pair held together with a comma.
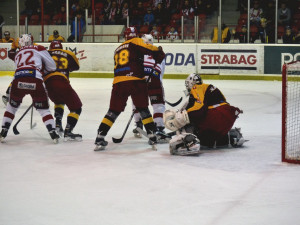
x: 129, y: 184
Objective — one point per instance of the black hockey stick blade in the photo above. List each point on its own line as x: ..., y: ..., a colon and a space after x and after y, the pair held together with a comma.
x: 15, y: 130
x: 119, y: 140
x: 175, y: 103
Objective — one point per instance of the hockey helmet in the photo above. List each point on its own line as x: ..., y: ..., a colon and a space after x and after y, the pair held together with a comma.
x: 25, y: 40
x: 191, y: 80
x: 148, y: 39
x: 56, y: 45
x: 130, y: 32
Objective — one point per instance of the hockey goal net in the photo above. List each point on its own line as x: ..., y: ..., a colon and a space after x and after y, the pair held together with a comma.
x: 291, y: 112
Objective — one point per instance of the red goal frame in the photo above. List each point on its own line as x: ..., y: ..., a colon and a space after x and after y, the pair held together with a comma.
x: 285, y: 79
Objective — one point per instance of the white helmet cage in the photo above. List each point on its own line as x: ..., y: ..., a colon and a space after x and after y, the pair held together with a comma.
x: 25, y: 40
x: 148, y: 39
x: 191, y: 80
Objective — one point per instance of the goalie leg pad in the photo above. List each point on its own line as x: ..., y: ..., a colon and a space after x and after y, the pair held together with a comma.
x: 184, y: 144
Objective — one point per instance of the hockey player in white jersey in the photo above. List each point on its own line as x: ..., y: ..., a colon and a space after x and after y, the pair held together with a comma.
x: 155, y: 92
x: 31, y: 62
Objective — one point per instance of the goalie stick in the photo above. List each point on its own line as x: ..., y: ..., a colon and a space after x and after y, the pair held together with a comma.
x: 15, y: 130
x: 175, y: 103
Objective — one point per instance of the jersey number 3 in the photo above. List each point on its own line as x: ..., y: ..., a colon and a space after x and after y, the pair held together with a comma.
x: 121, y: 58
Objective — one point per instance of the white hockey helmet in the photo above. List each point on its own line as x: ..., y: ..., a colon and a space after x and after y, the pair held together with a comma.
x: 148, y: 39
x: 191, y: 80
x: 25, y: 40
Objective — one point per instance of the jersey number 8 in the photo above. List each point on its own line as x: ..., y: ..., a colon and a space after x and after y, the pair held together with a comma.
x: 121, y: 58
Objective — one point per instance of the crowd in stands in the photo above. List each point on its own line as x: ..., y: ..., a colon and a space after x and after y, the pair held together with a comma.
x: 162, y: 18
x: 164, y: 14
x: 262, y: 21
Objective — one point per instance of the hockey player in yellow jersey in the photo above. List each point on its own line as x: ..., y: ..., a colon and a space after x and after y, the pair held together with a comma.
x: 129, y: 80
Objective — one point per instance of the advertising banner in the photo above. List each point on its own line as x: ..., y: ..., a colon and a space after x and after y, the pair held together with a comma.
x: 231, y: 59
x: 276, y: 56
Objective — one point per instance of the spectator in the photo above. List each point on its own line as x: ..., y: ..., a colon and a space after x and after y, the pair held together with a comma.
x: 210, y: 7
x: 266, y: 32
x: 242, y: 36
x: 284, y: 15
x: 124, y: 12
x: 7, y: 38
x: 112, y: 14
x: 161, y: 15
x: 62, y: 15
x: 138, y: 14
x: 187, y: 12
x: 200, y: 7
x: 31, y: 7
x: 2, y: 22
x: 80, y: 28
x: 149, y: 17
x: 156, y: 2
x: 155, y: 33
x: 172, y: 34
x: 49, y: 6
x: 288, y: 37
x: 84, y: 4
x: 255, y: 14
x: 269, y: 12
x: 226, y: 35
x: 242, y: 6
x: 56, y: 37
x: 297, y: 38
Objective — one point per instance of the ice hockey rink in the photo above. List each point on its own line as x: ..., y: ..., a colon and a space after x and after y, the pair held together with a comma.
x: 129, y: 184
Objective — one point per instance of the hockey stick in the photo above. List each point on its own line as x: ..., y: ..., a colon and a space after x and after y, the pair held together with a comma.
x: 175, y: 103
x: 32, y: 125
x: 15, y: 130
x: 119, y: 140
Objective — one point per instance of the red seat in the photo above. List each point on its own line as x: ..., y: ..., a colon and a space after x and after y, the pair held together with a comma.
x: 46, y: 19
x: 144, y: 29
x: 280, y: 31
x: 22, y: 19
x: 56, y: 19
x: 98, y: 8
x: 34, y: 20
x: 253, y: 30
x: 202, y: 16
x: 244, y: 16
x: 242, y: 21
x: 99, y: 19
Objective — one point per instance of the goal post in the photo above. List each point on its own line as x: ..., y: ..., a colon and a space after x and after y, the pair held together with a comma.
x: 291, y: 112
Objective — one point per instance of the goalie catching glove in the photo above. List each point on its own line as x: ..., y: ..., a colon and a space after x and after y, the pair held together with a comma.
x: 175, y: 120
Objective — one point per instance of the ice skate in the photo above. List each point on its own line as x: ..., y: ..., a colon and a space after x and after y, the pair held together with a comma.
x: 58, y: 127
x: 4, y: 99
x: 100, y: 144
x: 135, y: 131
x: 161, y: 135
x: 3, y: 134
x: 69, y: 136
x: 152, y: 141
x: 54, y: 136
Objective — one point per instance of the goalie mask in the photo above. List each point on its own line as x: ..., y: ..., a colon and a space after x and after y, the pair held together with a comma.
x: 191, y: 80
x: 129, y: 33
x: 25, y: 40
x: 148, y: 39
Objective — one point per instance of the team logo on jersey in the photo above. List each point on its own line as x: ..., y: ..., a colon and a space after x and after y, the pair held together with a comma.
x: 27, y: 86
